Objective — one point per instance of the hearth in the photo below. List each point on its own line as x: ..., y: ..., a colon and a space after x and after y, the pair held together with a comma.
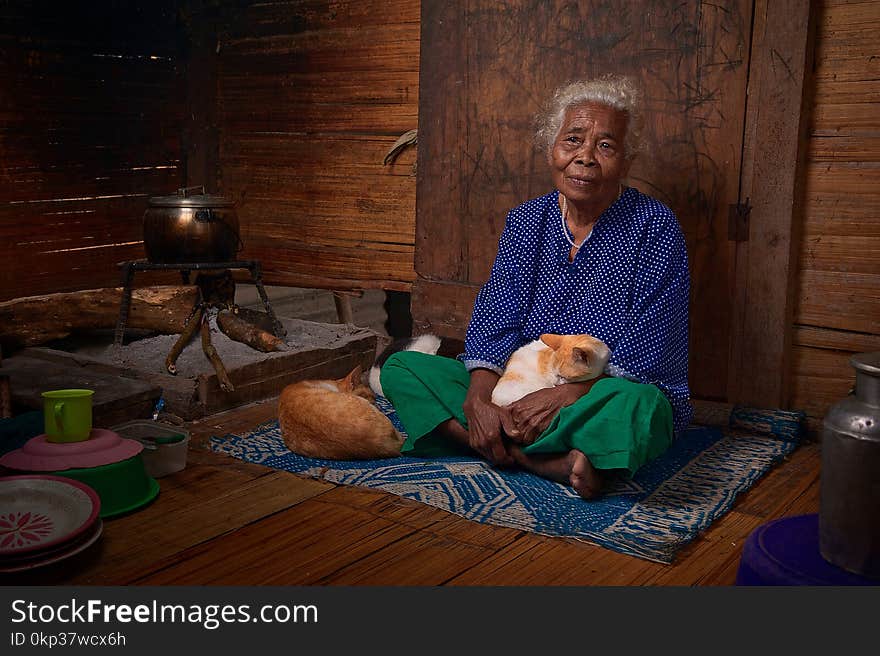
x: 215, y: 304
x: 129, y: 379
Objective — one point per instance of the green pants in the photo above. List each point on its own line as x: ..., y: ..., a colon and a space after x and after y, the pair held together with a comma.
x: 618, y: 424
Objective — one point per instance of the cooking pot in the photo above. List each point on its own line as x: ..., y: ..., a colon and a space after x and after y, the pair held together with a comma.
x: 190, y: 227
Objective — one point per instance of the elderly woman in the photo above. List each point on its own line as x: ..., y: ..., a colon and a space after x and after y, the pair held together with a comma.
x: 593, y: 256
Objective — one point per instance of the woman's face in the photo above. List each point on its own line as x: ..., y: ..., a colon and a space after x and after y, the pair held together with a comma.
x: 587, y: 158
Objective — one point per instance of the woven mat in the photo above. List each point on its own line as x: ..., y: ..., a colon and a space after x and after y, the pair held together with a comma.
x: 652, y: 515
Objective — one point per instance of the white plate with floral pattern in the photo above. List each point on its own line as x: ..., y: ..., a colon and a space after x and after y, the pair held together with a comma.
x: 41, y: 512
x: 55, y: 554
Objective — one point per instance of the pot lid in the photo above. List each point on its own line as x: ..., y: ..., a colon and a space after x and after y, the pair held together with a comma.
x: 187, y: 197
x: 103, y: 447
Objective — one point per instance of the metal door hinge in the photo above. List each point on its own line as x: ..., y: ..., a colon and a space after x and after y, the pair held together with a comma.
x: 738, y: 221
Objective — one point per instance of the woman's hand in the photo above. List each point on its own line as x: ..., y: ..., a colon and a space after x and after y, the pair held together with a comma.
x: 524, y: 420
x: 484, y: 419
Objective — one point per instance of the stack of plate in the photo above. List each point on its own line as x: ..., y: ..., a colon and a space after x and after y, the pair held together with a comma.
x: 45, y: 519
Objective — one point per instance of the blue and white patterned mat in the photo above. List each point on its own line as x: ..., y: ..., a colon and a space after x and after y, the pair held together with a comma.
x: 663, y: 507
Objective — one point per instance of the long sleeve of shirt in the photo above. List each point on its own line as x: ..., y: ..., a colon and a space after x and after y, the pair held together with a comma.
x: 653, y: 347
x: 495, y: 329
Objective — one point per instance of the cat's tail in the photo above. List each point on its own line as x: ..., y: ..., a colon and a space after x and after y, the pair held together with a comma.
x: 373, y: 379
x: 429, y: 344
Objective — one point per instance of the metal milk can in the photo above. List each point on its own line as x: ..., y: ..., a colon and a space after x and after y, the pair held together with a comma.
x: 849, y: 488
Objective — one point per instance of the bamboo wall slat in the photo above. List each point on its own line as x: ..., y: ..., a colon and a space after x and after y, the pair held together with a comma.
x: 849, y: 69
x: 343, y: 264
x: 74, y: 183
x: 292, y: 118
x: 835, y: 339
x: 284, y: 17
x: 848, y: 118
x: 371, y: 86
x: 311, y: 97
x: 830, y: 89
x: 838, y: 294
x: 845, y: 148
x: 310, y: 157
x: 846, y: 301
x: 824, y: 377
x: 844, y: 254
x: 388, y: 47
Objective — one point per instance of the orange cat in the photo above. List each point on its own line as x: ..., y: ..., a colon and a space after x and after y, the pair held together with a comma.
x: 549, y: 361
x: 336, y: 420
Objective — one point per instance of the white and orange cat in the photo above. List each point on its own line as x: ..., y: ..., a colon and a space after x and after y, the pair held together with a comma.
x: 549, y: 361
x: 336, y: 420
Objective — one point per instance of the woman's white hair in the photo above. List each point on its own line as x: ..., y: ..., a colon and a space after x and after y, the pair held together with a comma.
x: 616, y: 91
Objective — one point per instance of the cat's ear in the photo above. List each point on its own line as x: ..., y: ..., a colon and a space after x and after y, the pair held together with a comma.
x: 582, y: 355
x: 551, y: 340
x: 353, y: 379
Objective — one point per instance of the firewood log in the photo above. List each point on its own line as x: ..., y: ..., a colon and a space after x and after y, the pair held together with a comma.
x: 185, y: 338
x: 234, y: 327
x: 222, y: 377
x: 256, y: 317
x: 35, y: 320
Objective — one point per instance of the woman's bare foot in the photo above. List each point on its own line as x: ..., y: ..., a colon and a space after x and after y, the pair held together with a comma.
x: 572, y: 468
x: 455, y: 432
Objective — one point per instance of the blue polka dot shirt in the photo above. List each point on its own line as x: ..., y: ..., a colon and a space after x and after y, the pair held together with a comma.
x: 628, y: 285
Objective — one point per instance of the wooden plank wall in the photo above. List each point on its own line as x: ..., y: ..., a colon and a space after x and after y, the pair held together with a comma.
x: 838, y: 292
x: 312, y: 95
x: 774, y: 148
x: 89, y: 128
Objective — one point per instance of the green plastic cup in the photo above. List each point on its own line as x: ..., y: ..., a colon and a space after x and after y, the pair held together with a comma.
x: 67, y: 415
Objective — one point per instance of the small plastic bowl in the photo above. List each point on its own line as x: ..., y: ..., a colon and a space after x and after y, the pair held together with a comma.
x: 165, y: 446
x: 122, y: 486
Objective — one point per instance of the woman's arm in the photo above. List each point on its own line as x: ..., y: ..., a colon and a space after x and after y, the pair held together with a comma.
x: 484, y: 418
x: 494, y: 331
x: 524, y: 420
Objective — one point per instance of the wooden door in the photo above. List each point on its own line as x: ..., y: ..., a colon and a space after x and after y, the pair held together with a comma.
x: 486, y: 67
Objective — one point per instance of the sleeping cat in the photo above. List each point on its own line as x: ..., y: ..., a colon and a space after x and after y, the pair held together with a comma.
x: 549, y: 361
x: 336, y: 420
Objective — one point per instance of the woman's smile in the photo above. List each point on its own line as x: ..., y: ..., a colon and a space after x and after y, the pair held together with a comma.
x: 581, y: 181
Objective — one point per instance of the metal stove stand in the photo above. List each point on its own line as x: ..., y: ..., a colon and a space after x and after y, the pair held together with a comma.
x: 131, y: 267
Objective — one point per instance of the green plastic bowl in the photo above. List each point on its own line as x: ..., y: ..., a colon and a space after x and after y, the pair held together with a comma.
x: 122, y: 486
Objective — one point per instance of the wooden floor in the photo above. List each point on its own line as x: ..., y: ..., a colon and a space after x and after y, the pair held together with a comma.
x: 222, y: 521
